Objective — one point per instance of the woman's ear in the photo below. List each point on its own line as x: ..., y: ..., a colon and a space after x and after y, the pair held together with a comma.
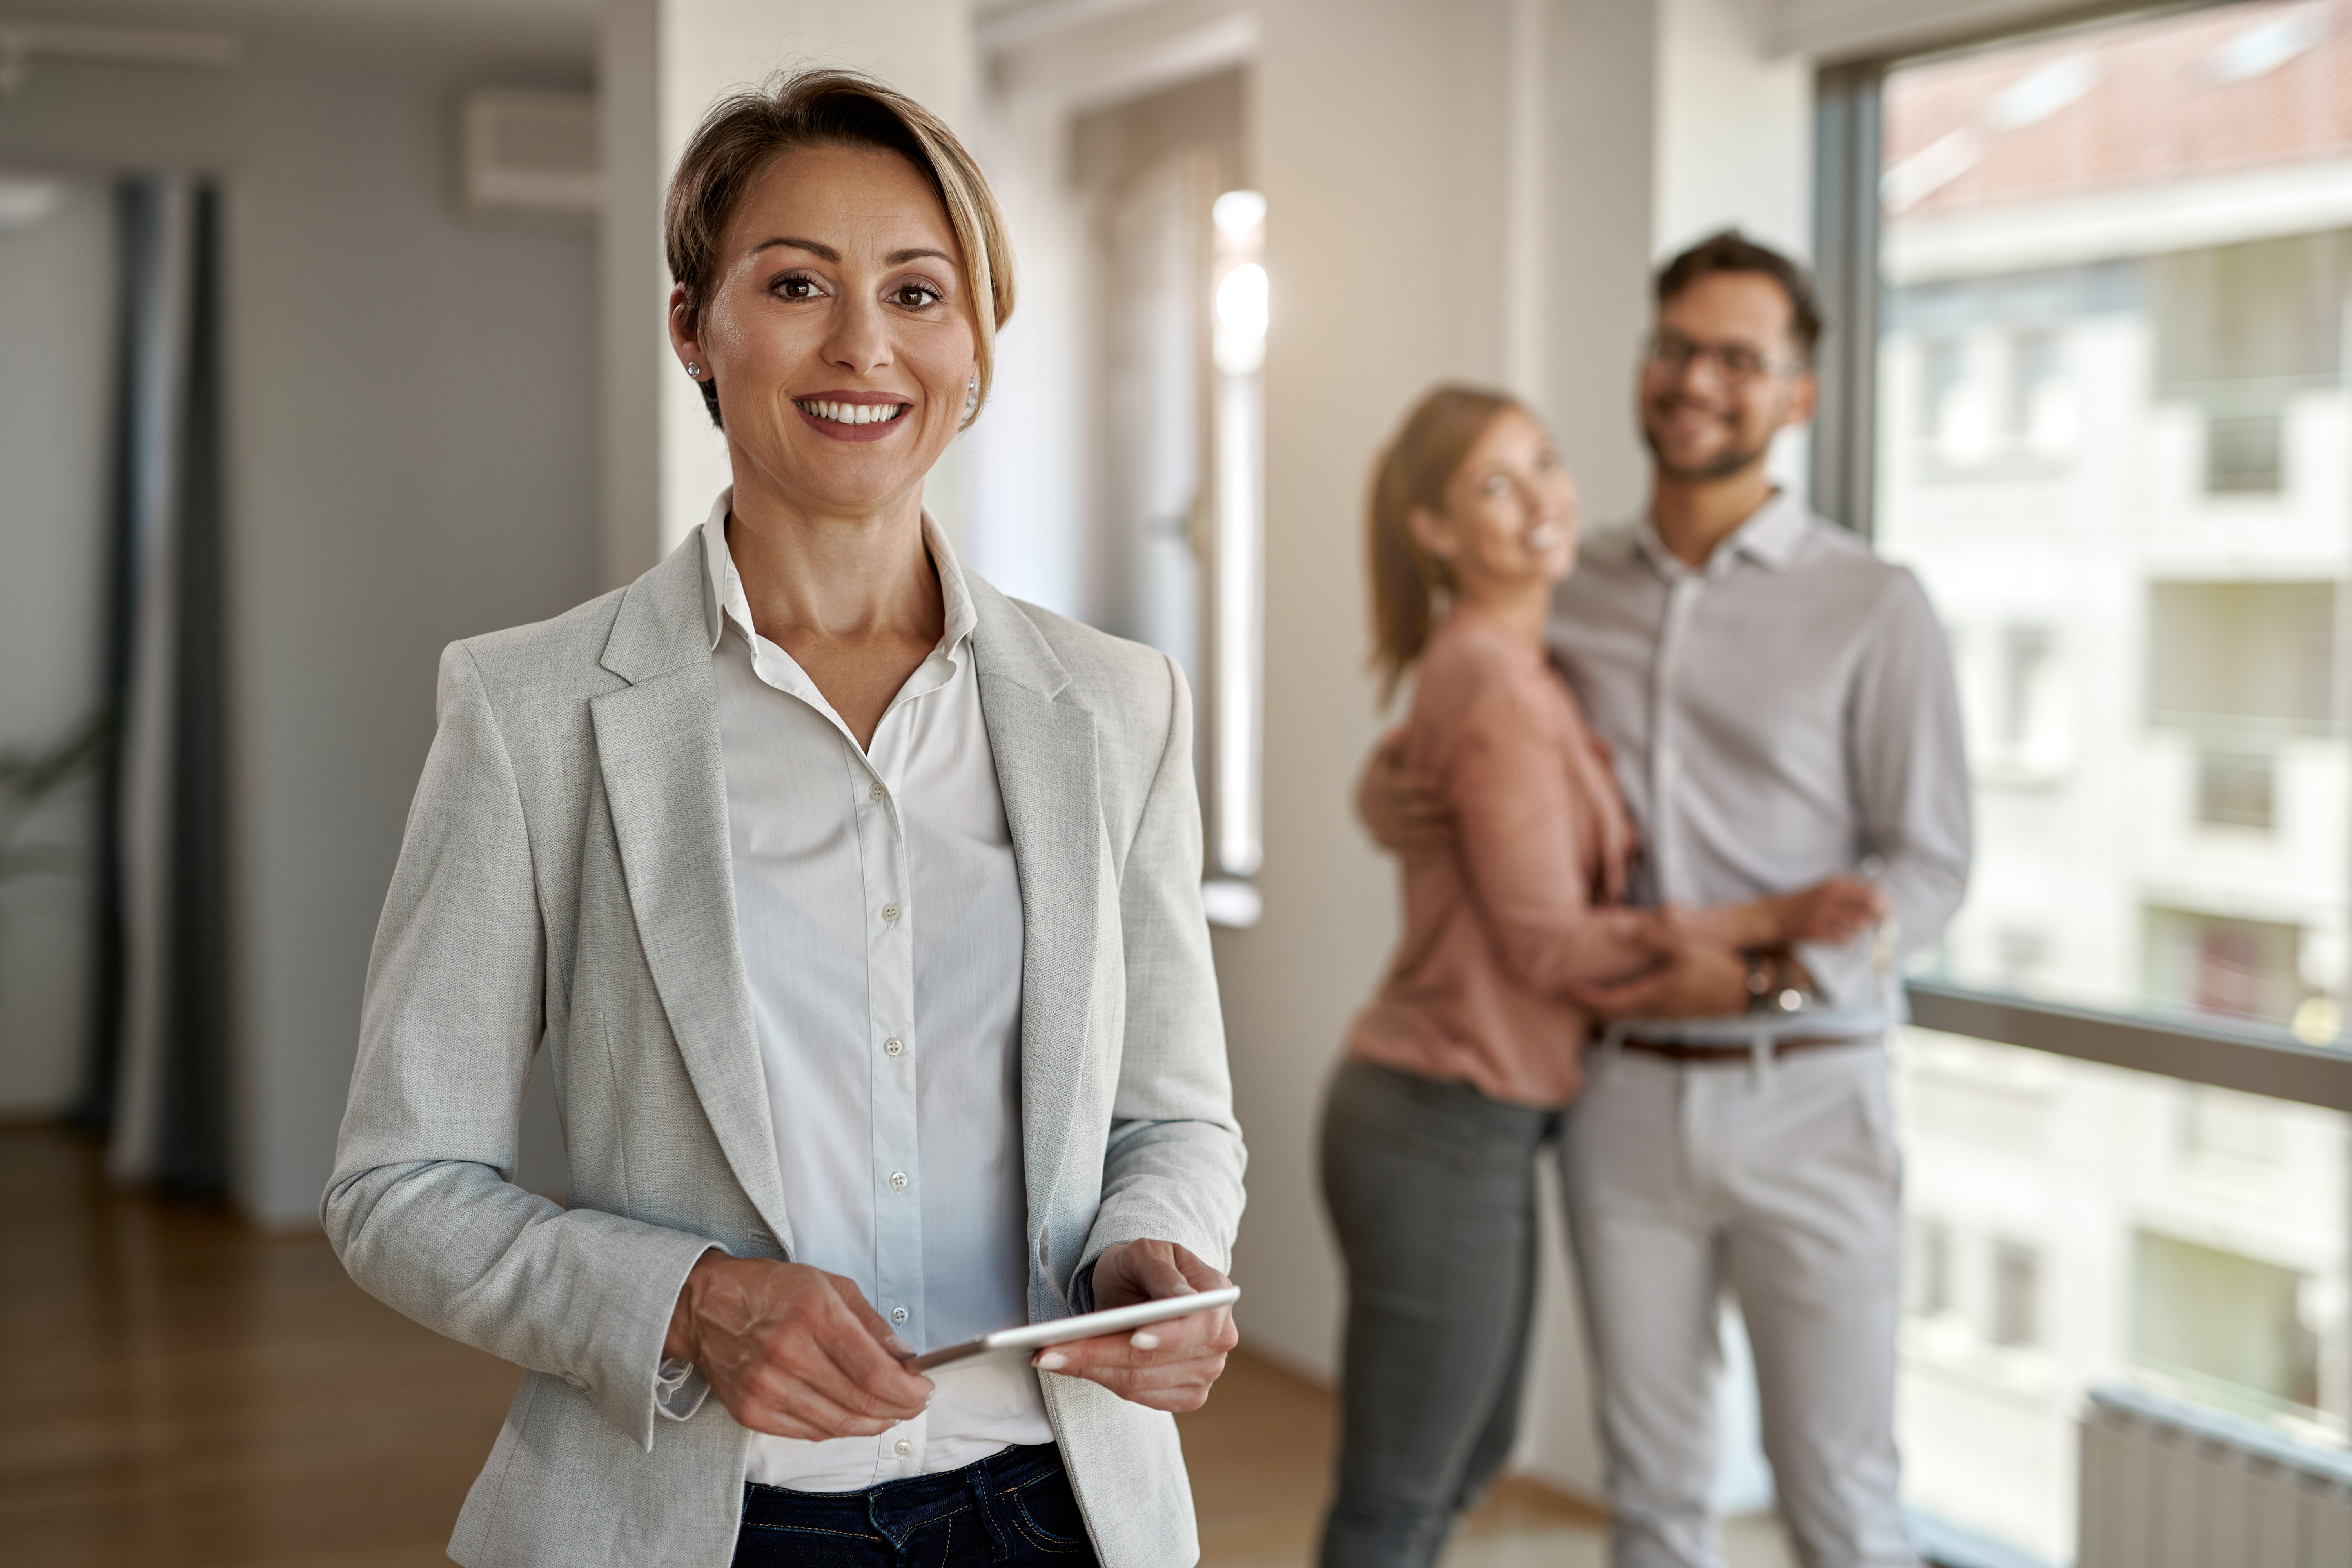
x: 1432, y: 533
x: 682, y: 341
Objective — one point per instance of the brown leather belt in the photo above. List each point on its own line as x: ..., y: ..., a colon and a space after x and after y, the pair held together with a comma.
x: 1681, y: 1051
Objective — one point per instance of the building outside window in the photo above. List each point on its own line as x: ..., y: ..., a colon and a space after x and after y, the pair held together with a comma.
x: 2109, y: 428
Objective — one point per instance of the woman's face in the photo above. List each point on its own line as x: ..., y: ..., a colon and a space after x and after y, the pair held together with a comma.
x: 838, y: 332
x: 1510, y: 512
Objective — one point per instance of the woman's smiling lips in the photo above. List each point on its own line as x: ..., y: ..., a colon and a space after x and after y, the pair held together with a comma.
x: 853, y: 416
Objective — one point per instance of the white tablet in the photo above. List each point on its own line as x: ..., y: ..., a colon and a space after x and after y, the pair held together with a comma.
x: 1085, y: 1326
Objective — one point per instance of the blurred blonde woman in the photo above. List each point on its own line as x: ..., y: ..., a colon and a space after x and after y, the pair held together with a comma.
x: 1456, y: 1073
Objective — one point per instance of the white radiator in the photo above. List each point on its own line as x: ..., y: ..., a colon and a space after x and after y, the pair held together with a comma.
x: 2166, y: 1484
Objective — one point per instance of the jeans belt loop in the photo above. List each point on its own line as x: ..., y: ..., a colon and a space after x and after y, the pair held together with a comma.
x: 1759, y: 1058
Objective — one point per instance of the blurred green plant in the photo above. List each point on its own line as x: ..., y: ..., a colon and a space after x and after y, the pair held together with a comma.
x: 30, y: 778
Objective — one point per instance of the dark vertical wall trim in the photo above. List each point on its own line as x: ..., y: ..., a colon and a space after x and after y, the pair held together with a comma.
x: 102, y: 1059
x: 192, y: 1151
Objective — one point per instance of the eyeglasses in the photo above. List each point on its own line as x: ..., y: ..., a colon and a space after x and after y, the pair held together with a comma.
x: 1738, y: 362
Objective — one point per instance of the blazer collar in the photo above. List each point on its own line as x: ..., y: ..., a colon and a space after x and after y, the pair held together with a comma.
x: 1047, y: 774
x: 1007, y: 644
x: 665, y: 617
x: 665, y: 783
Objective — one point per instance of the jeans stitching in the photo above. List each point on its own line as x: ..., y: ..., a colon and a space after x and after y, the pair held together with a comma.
x: 812, y: 1529
x: 1036, y: 1534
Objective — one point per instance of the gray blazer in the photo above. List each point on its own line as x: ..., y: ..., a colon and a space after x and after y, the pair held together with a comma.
x: 565, y: 881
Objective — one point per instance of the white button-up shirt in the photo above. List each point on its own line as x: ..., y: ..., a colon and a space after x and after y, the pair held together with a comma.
x: 1783, y: 713
x: 880, y: 919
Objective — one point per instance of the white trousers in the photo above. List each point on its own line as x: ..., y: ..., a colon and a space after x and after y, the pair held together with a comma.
x: 1782, y: 1185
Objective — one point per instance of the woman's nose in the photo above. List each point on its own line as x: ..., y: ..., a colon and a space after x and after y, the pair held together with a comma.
x: 859, y: 339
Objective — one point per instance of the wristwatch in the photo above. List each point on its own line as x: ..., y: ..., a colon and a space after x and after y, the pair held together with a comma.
x: 1769, y: 990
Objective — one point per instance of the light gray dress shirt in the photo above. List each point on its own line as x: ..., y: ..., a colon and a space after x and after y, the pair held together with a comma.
x: 1783, y: 713
x: 880, y: 915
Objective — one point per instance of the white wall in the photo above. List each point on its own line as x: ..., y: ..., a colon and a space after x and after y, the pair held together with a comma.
x: 413, y: 420
x: 56, y: 310
x: 1734, y: 143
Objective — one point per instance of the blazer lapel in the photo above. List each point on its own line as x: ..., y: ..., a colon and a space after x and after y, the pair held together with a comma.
x: 657, y: 749
x: 1045, y: 770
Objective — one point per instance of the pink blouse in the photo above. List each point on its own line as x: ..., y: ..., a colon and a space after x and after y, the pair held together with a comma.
x: 1503, y: 919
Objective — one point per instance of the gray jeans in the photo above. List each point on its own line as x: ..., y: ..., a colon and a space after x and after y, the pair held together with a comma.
x: 1432, y: 1188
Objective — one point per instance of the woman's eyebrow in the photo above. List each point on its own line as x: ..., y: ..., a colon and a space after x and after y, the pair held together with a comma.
x: 827, y: 253
x: 822, y: 252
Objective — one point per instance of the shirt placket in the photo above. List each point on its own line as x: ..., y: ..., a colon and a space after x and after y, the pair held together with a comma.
x: 1667, y: 743
x: 876, y: 777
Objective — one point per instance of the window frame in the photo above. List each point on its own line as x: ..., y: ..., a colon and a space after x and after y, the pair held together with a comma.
x: 2249, y: 1057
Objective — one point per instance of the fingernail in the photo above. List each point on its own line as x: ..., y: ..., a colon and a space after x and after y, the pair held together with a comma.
x: 1144, y: 1340
x: 1052, y: 1361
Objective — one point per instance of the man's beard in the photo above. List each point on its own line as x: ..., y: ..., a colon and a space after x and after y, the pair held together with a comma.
x: 1732, y: 459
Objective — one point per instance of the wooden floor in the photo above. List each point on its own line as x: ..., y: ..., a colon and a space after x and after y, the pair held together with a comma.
x: 183, y: 1391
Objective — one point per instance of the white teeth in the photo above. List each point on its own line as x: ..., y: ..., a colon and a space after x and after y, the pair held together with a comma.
x: 854, y: 413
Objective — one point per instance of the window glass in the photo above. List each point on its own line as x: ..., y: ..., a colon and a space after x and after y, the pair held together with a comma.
x: 2074, y: 1226
x: 2113, y: 439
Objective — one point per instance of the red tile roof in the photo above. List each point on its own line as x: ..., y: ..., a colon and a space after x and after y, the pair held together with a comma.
x: 2235, y: 87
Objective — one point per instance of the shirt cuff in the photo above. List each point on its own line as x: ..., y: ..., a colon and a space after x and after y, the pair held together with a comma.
x: 679, y: 1389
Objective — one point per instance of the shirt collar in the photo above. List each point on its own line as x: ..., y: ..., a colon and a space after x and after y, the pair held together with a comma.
x: 729, y: 601
x: 1771, y: 536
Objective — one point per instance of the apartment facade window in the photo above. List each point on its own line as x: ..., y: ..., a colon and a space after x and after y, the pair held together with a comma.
x: 2092, y: 390
x: 2016, y: 1295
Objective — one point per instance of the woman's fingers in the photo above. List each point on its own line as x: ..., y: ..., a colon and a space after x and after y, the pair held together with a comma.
x: 793, y: 1408
x: 800, y: 1352
x: 1166, y: 1365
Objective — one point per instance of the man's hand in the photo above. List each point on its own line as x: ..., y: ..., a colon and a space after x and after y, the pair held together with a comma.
x: 1166, y: 1366
x: 792, y: 1350
x: 1698, y: 976
x: 1399, y: 805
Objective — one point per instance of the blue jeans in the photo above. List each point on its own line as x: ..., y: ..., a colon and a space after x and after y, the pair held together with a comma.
x: 1013, y: 1506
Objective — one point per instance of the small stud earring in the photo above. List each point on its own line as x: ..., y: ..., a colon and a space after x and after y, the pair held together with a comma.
x: 693, y: 370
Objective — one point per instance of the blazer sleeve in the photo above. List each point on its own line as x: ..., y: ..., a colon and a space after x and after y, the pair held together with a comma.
x: 1522, y: 852
x: 1172, y: 1169
x: 420, y: 1208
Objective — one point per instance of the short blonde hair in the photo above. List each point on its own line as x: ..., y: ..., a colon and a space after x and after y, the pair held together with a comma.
x: 747, y: 131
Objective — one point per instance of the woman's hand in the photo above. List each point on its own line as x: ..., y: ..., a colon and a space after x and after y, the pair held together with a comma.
x: 792, y: 1350
x: 1166, y: 1366
x: 1405, y: 814
x: 1835, y: 910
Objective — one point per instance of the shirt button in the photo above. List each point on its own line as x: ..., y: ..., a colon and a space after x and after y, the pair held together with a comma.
x: 875, y: 793
x: 902, y: 1448
x: 892, y: 1048
x: 898, y: 1181
x: 889, y: 911
x: 897, y: 1314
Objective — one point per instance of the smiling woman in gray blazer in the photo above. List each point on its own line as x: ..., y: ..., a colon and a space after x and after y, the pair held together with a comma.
x: 857, y: 906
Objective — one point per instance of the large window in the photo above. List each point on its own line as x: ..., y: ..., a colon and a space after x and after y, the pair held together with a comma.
x: 2098, y: 401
